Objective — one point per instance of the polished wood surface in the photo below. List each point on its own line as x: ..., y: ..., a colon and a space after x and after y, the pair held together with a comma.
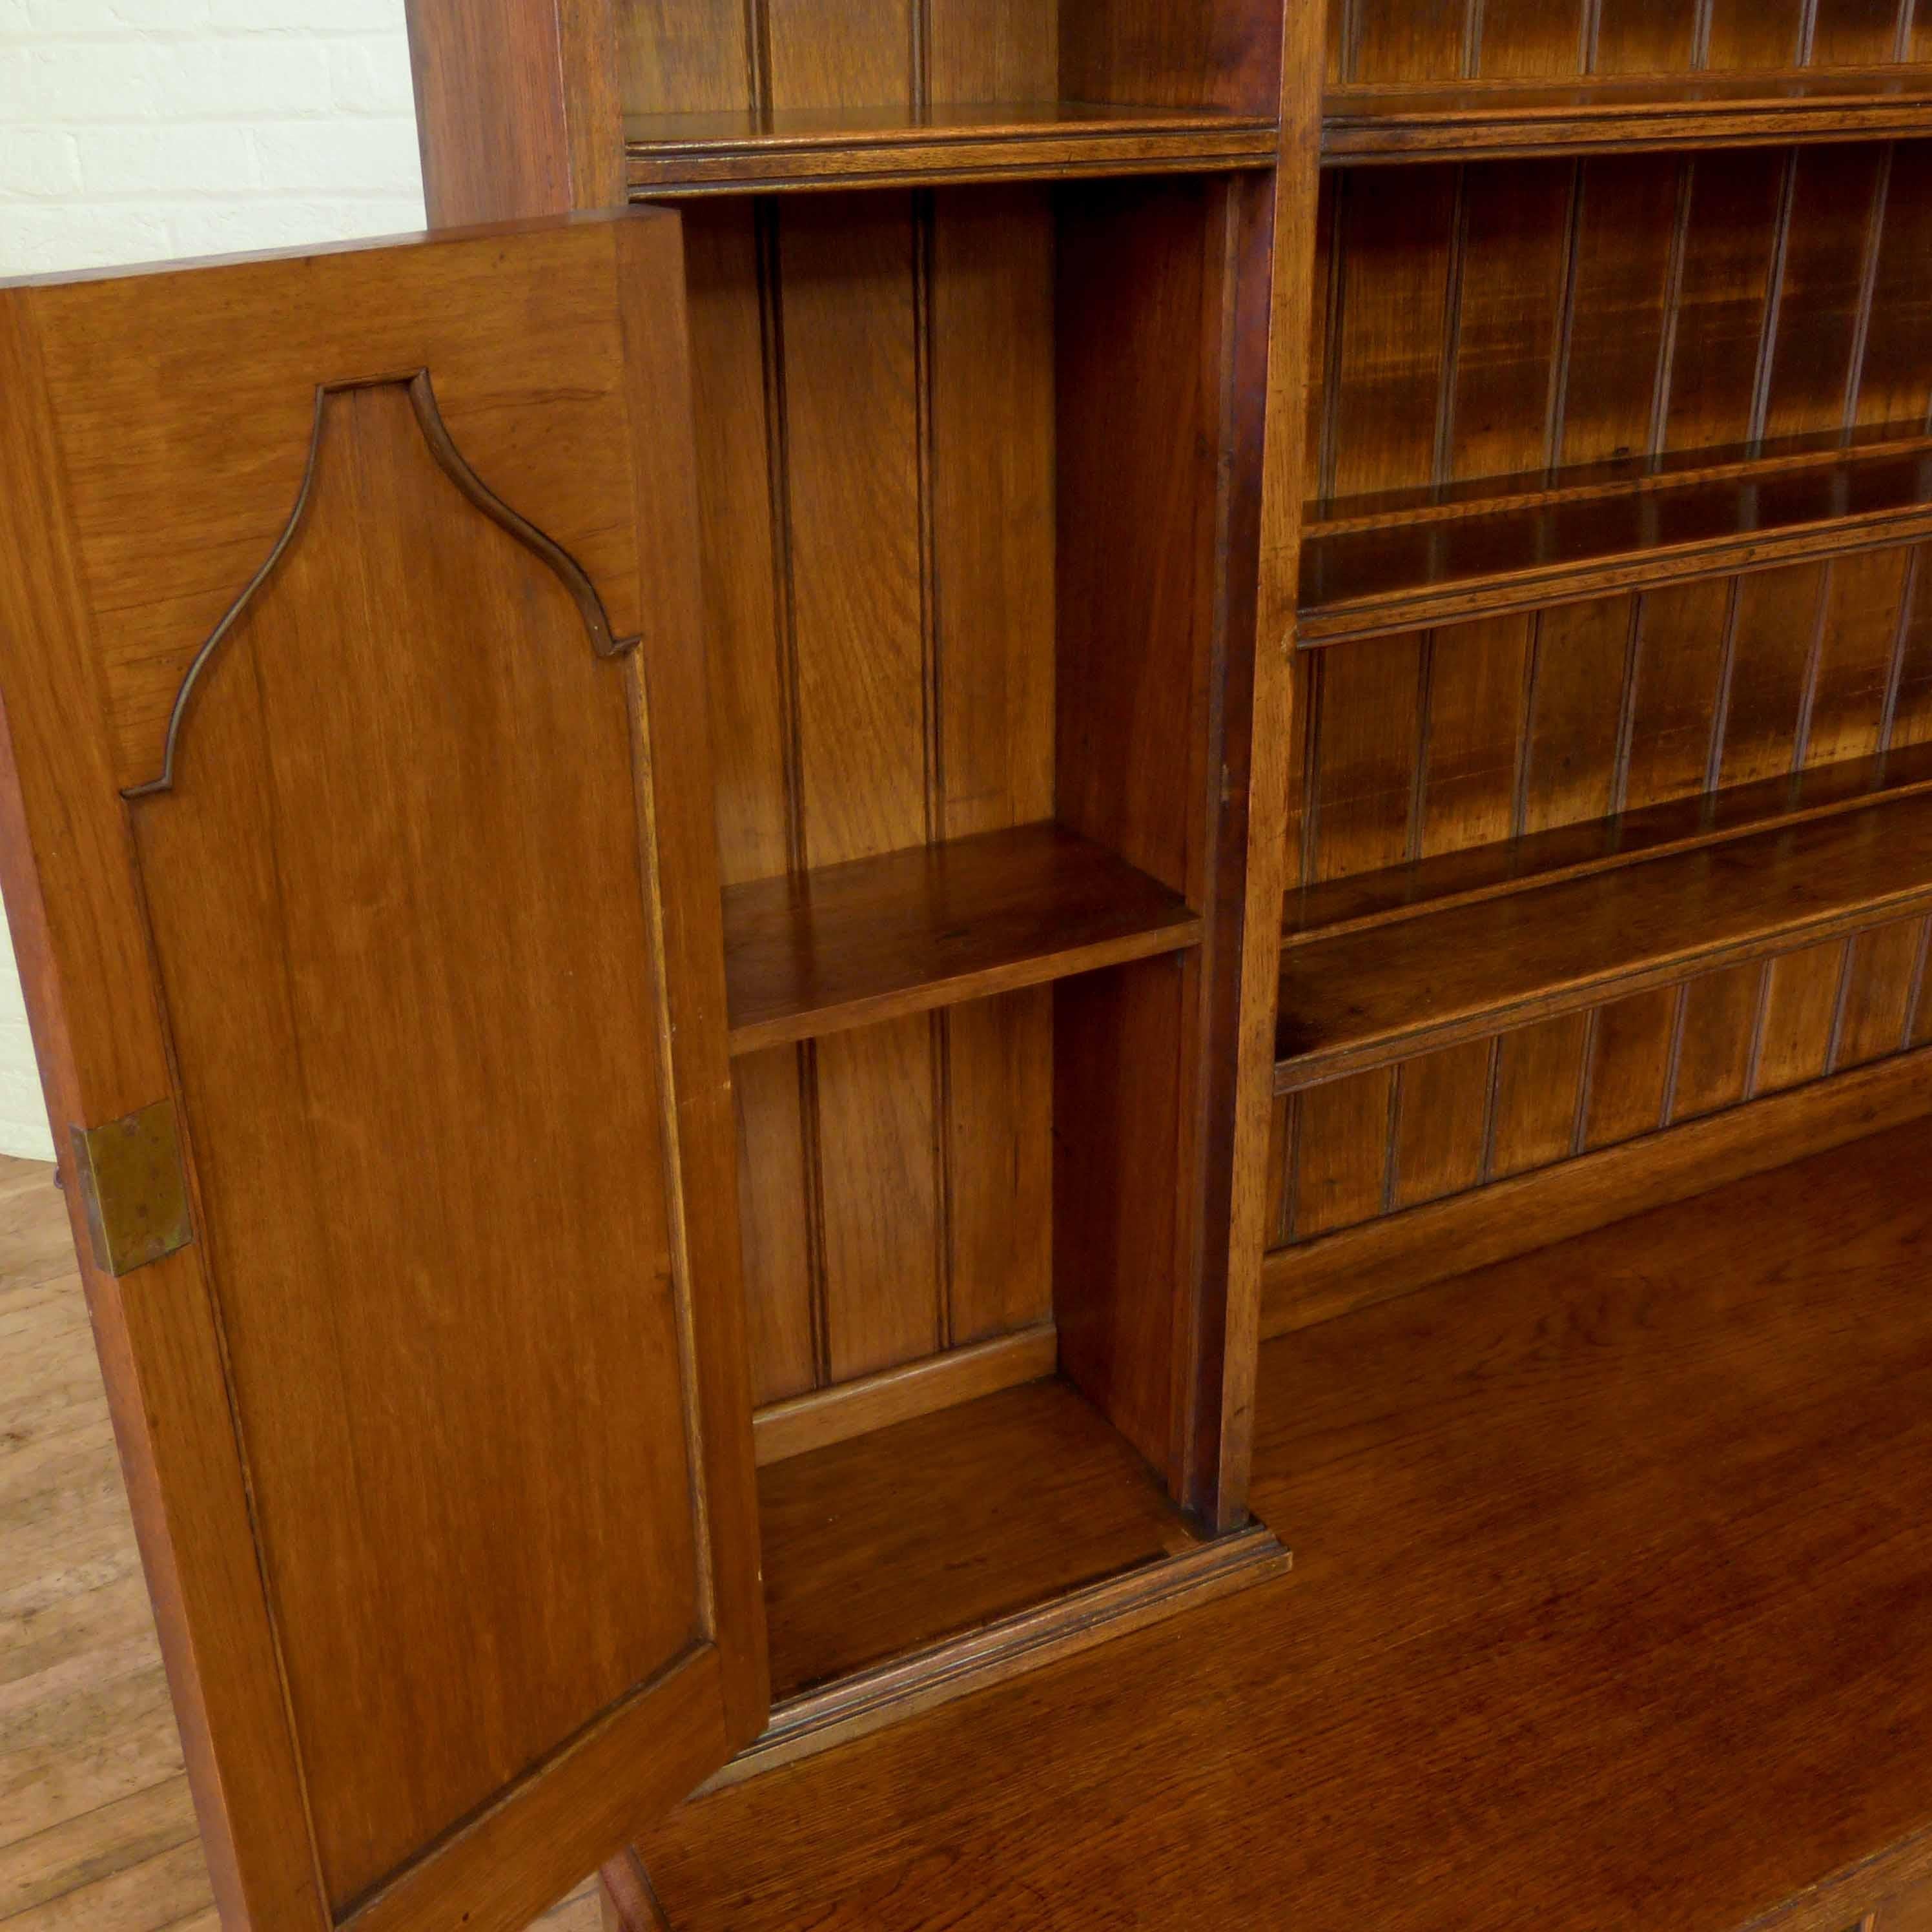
x: 1356, y: 1001
x: 1336, y: 1250
x: 1596, y: 845
x: 934, y: 1537
x: 1480, y: 120
x: 1400, y: 576
x: 96, y: 1827
x: 353, y: 950
x: 1609, y: 1568
x: 807, y: 1422
x: 746, y: 153
x: 932, y: 926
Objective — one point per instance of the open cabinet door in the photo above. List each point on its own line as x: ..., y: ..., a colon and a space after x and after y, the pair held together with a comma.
x: 356, y: 814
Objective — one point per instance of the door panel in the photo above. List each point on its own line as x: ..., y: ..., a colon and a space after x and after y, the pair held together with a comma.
x: 438, y: 1428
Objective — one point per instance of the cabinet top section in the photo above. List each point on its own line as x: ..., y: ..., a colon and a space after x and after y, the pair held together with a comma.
x: 864, y: 147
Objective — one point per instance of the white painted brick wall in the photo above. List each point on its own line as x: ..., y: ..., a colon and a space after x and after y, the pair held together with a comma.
x: 139, y: 130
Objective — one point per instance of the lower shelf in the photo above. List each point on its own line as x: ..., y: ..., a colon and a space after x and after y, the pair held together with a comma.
x: 907, y: 1566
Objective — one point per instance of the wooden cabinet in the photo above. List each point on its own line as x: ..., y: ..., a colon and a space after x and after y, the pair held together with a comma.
x: 719, y: 904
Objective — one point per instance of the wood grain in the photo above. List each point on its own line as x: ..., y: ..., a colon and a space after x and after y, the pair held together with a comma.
x: 1395, y: 1254
x: 1351, y: 1002
x: 96, y: 1827
x: 878, y: 937
x: 1480, y: 1475
x: 689, y: 154
x: 378, y: 1549
x: 1364, y: 583
x: 808, y: 1422
x: 935, y: 1538
x: 1480, y: 120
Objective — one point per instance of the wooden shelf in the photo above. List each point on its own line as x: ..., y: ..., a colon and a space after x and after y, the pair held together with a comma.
x: 1367, y: 998
x: 1369, y: 572
x: 854, y: 943
x: 830, y: 147
x: 1485, y: 119
x: 1479, y: 872
x: 1611, y: 1595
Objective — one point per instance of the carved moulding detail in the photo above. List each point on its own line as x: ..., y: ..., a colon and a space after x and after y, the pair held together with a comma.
x: 442, y: 446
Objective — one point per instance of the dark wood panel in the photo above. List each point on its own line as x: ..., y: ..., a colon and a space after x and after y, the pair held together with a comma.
x: 1800, y: 1011
x: 1510, y: 322
x: 1882, y: 978
x: 1417, y: 40
x: 1628, y: 246
x: 847, y: 945
x: 1531, y: 39
x: 1722, y: 314
x: 1856, y: 33
x: 1644, y: 37
x: 1835, y: 207
x: 1352, y: 1000
x: 997, y: 1079
x: 879, y: 1206
x: 1716, y: 1040
x: 1757, y: 34
x: 1585, y: 655
x: 1845, y: 713
x: 1341, y: 1153
x: 1363, y: 777
x: 1539, y: 1077
x: 1478, y: 690
x: 1631, y: 1043
x: 1684, y: 637
x: 1442, y: 1113
x: 1895, y: 384
x: 1776, y: 631
x: 1392, y: 257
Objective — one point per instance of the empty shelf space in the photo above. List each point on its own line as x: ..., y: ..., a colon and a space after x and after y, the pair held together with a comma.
x: 847, y: 945
x: 1478, y: 872
x: 899, y: 1538
x: 1475, y: 120
x: 1370, y: 996
x: 1370, y: 574
x: 829, y: 147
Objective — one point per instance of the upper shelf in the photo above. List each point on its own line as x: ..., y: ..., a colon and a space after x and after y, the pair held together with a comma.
x: 851, y: 944
x: 1402, y: 566
x: 1476, y: 120
x: 830, y: 147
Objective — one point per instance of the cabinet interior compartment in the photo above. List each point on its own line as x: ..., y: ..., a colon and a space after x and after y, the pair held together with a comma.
x: 966, y: 480
x: 1600, y: 844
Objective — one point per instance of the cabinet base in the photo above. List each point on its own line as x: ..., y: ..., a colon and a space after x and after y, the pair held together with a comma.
x: 869, y: 1700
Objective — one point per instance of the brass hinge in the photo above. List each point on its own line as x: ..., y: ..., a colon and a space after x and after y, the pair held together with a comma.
x: 134, y: 1188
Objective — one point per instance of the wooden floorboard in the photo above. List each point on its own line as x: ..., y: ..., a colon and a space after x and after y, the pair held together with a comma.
x: 1610, y: 1614
x: 96, y: 1832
